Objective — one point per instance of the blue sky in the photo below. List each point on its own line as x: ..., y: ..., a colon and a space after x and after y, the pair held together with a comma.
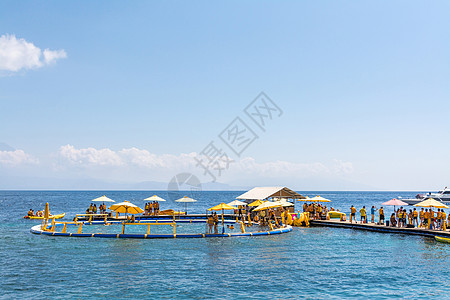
x: 363, y: 86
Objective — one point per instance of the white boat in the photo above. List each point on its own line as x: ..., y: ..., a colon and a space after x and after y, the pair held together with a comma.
x: 443, y: 196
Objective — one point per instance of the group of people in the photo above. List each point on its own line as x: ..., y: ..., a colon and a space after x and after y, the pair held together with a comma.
x: 316, y: 211
x: 426, y: 218
x: 213, y: 221
x: 92, y: 209
x: 151, y: 208
x: 38, y: 213
x: 247, y: 219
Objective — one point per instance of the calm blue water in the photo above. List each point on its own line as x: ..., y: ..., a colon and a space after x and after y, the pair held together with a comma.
x: 308, y: 262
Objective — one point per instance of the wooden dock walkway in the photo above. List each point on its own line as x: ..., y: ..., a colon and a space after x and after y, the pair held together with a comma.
x: 379, y: 228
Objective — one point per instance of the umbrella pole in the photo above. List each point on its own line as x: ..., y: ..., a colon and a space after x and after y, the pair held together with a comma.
x: 206, y: 224
x: 223, y: 224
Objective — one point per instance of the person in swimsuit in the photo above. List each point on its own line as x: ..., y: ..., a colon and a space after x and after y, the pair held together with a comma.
x: 426, y: 218
x: 362, y: 211
x: 381, y: 211
x: 421, y: 217
x: 372, y: 214
x: 415, y: 220
x: 210, y: 223
x: 393, y: 220
x: 216, y: 222
x: 352, y: 214
x: 444, y: 215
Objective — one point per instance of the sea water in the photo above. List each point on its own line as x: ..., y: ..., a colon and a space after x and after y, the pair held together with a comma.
x: 305, y: 263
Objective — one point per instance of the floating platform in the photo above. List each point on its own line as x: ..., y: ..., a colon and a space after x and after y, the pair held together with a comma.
x: 38, y: 230
x: 157, y: 218
x: 380, y: 228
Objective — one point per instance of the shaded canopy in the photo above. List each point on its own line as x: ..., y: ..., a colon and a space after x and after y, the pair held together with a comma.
x: 284, y: 203
x: 154, y: 198
x: 126, y: 207
x: 256, y: 203
x: 431, y: 203
x: 267, y: 205
x: 270, y: 192
x: 395, y: 202
x: 316, y: 199
x: 186, y: 199
x: 102, y: 199
x: 237, y: 203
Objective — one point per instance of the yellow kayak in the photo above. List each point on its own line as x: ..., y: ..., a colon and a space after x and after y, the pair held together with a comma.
x: 60, y: 216
x: 442, y: 239
x: 335, y: 214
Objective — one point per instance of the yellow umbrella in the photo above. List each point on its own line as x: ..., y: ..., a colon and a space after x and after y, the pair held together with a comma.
x: 222, y: 206
x: 431, y: 203
x: 256, y: 203
x: 267, y: 205
x: 126, y: 207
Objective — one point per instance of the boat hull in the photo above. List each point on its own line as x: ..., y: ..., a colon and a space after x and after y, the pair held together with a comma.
x: 442, y: 239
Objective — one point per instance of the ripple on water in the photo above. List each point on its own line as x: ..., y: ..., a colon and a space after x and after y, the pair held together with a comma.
x: 308, y: 262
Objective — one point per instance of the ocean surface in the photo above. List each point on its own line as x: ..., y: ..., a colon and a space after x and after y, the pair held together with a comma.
x: 314, y: 263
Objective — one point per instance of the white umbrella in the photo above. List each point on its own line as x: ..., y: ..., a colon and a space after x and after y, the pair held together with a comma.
x: 154, y: 198
x: 102, y: 199
x: 431, y: 203
x: 237, y: 203
x: 283, y: 202
x: 315, y: 199
x: 186, y: 200
x: 267, y: 205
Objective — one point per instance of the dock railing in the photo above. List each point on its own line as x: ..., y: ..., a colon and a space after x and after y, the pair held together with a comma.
x: 173, y: 224
x: 91, y: 216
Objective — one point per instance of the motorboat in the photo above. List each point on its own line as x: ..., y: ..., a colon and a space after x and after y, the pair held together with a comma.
x: 443, y: 196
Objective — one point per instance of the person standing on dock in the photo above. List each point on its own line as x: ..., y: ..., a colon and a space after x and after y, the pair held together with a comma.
x: 216, y: 222
x: 421, y: 217
x: 426, y: 217
x: 398, y: 215
x: 210, y: 223
x: 362, y: 211
x: 381, y: 215
x: 444, y: 227
x: 352, y: 214
x: 415, y: 222
x: 438, y: 219
x: 431, y: 220
x: 372, y: 214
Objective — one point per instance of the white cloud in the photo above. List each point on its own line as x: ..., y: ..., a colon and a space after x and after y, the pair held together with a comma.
x: 89, y: 156
x: 139, y: 162
x: 17, y: 54
x: 342, y: 167
x: 51, y: 56
x: 17, y: 157
x: 131, y: 157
